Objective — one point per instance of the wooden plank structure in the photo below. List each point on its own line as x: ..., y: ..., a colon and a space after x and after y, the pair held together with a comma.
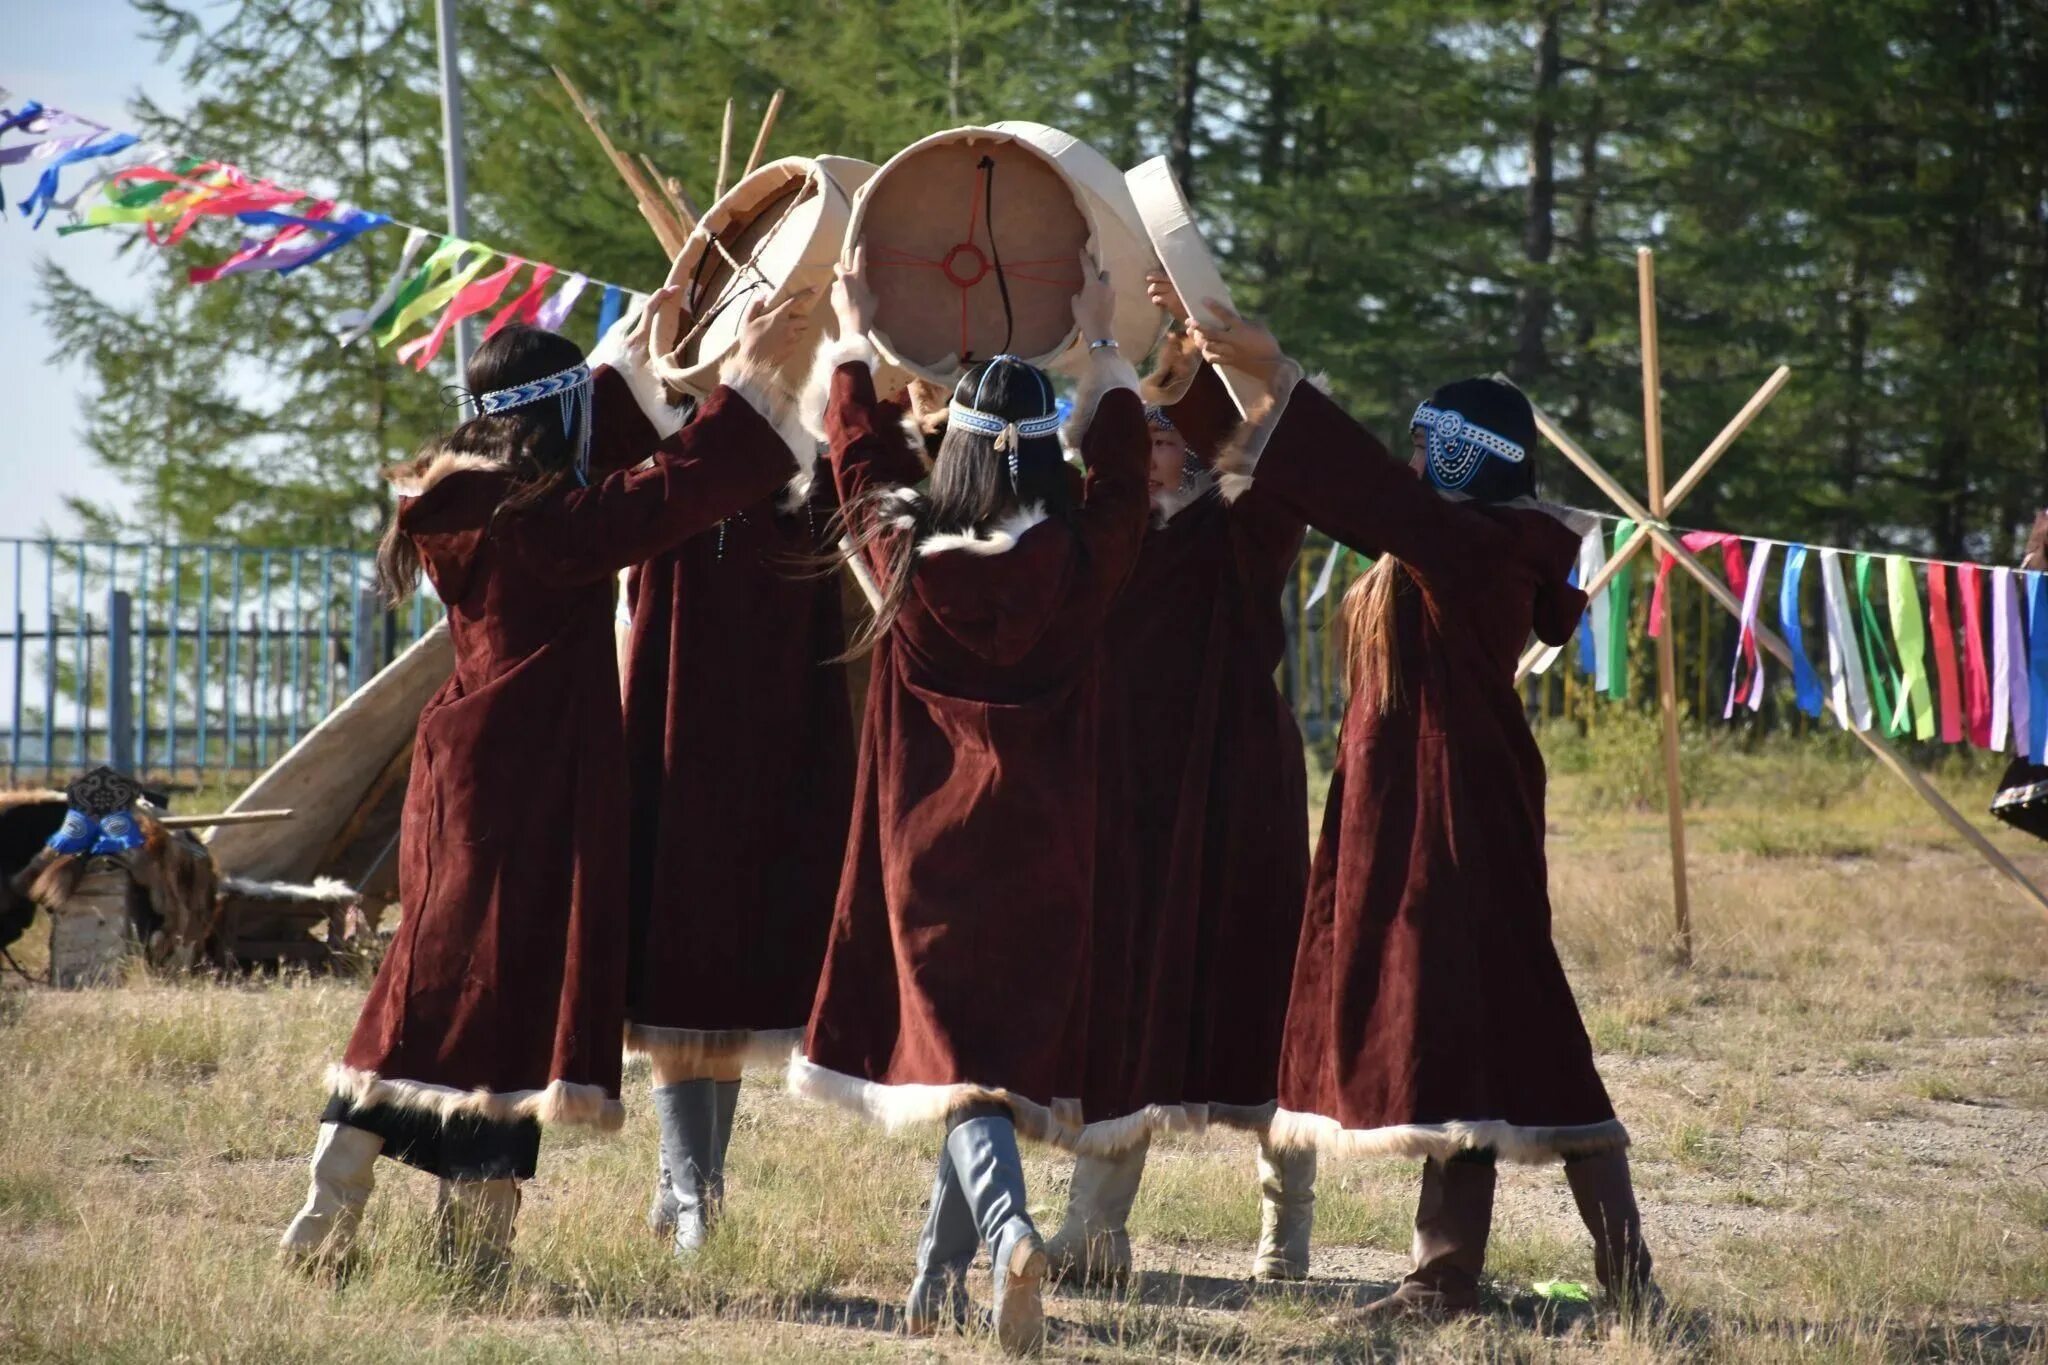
x: 1652, y: 526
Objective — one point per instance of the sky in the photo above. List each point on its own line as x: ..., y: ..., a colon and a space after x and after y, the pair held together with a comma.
x: 89, y: 57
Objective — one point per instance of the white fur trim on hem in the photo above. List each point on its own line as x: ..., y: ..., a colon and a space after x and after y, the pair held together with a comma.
x: 999, y: 538
x: 905, y: 1106
x: 559, y: 1102
x: 681, y: 1047
x: 1530, y: 1146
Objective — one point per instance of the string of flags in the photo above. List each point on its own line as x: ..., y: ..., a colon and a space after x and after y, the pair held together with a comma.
x: 128, y: 183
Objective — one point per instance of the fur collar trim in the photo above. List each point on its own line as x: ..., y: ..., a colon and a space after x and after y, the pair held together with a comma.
x: 415, y: 479
x: 998, y: 539
x: 1167, y: 506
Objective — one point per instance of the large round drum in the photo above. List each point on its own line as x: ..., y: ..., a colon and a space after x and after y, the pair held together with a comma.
x: 1125, y: 252
x: 974, y: 239
x: 777, y: 232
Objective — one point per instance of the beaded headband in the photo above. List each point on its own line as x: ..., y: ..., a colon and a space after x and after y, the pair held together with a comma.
x: 1457, y: 445
x: 1009, y: 433
x: 571, y: 388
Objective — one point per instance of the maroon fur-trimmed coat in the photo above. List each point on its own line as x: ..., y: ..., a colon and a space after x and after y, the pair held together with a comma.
x: 1202, y: 850
x: 957, y: 961
x: 740, y: 744
x: 503, y: 994
x: 1430, y: 1013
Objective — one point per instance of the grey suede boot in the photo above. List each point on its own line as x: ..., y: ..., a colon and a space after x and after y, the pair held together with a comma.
x: 984, y: 1153
x: 726, y: 1108
x: 344, y: 1172
x: 1453, y: 1218
x: 473, y: 1224
x: 1287, y: 1212
x: 1093, y: 1245
x: 1605, y: 1193
x: 945, y: 1249
x: 687, y: 1115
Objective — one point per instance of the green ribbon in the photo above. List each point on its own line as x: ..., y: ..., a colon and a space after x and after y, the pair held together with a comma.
x: 1910, y: 630
x: 1620, y: 600
x: 1883, y: 673
x: 403, y: 311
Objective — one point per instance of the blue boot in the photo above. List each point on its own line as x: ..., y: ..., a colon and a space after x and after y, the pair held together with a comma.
x: 991, y: 1173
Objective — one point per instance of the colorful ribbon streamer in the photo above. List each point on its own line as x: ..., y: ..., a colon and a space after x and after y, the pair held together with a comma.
x: 1976, y: 674
x: 351, y: 325
x: 414, y: 304
x: 1805, y: 682
x: 608, y: 310
x: 1946, y: 671
x: 555, y: 311
x: 1620, y: 601
x: 1910, y: 633
x: 1845, y: 661
x: 2010, y: 705
x: 524, y: 308
x: 2037, y: 667
x: 1749, y: 688
x: 1593, y: 657
x: 470, y: 301
x: 40, y: 198
x: 1877, y: 656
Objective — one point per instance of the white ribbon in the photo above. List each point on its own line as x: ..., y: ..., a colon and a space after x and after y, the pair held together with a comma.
x: 1322, y: 587
x: 1845, y: 665
x: 353, y: 324
x: 2009, y: 648
x: 1592, y: 559
x: 1745, y: 642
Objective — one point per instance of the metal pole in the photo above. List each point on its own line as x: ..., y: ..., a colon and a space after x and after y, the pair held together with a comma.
x: 451, y: 156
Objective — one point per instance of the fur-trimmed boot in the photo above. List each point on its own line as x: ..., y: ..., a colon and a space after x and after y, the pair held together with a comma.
x: 984, y: 1153
x: 945, y: 1249
x: 1287, y: 1212
x: 1452, y: 1220
x: 1605, y: 1193
x: 686, y: 1114
x: 474, y: 1221
x: 344, y: 1173
x: 1093, y: 1245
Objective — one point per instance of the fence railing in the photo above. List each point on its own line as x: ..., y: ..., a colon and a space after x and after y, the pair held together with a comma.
x: 183, y: 664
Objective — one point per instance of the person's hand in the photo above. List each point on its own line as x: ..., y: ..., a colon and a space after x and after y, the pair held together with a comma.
x: 1165, y: 297
x: 1246, y: 347
x: 1095, y: 305
x: 770, y: 336
x: 853, y: 298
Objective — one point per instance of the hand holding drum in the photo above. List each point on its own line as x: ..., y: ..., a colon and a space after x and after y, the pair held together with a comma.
x: 1095, y: 304
x: 853, y: 298
x: 1247, y: 347
x: 770, y: 336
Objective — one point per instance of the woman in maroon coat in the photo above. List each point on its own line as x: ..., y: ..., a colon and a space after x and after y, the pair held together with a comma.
x: 953, y: 980
x: 1202, y: 858
x: 1430, y: 1016
x: 499, y: 1005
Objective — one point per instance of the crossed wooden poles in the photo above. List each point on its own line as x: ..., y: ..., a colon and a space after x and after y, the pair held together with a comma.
x: 1651, y: 526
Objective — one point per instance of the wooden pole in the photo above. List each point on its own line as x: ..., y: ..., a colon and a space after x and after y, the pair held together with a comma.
x: 240, y: 817
x: 672, y: 195
x: 724, y: 155
x: 1770, y: 640
x: 666, y: 231
x: 761, y: 138
x: 1667, y: 668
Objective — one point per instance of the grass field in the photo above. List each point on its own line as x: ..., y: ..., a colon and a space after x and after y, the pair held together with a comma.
x: 1840, y: 1116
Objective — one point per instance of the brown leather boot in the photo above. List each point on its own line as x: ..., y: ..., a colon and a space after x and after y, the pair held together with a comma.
x: 1452, y: 1220
x: 1606, y: 1197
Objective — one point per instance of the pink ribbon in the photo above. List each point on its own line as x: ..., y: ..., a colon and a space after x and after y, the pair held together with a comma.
x: 1749, y: 687
x: 524, y: 308
x: 1976, y: 675
x: 472, y: 299
x: 1941, y: 623
x: 260, y: 253
x: 1695, y: 541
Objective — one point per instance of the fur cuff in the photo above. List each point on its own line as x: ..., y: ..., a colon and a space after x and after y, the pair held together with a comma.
x: 765, y: 392
x: 1241, y: 452
x: 1167, y: 506
x: 855, y: 350
x: 1529, y: 1146
x: 1174, y: 371
x: 1001, y: 537
x: 612, y: 350
x: 559, y: 1102
x: 1107, y: 369
x: 675, y: 1048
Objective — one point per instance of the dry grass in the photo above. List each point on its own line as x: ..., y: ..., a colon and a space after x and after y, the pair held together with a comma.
x: 1839, y: 1120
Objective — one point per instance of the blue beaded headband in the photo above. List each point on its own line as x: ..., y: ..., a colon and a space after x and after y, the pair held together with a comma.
x: 1456, y: 445
x: 1008, y: 432
x: 570, y: 386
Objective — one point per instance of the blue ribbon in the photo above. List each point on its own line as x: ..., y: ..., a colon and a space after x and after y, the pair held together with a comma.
x: 608, y: 311
x: 80, y: 833
x: 1805, y: 682
x: 28, y: 113
x: 45, y: 193
x: 341, y: 231
x: 1589, y: 657
x: 2037, y: 666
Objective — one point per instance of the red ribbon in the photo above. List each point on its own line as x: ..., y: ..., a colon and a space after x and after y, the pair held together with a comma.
x: 1943, y: 627
x: 1696, y: 541
x: 473, y: 298
x: 255, y: 250
x: 1976, y: 676
x: 526, y: 307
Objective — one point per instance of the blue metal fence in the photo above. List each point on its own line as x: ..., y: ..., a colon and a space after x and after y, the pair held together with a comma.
x: 182, y: 663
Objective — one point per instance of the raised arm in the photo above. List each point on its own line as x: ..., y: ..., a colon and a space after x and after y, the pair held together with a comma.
x: 630, y: 410
x: 1115, y: 447
x: 730, y: 457
x: 1319, y: 463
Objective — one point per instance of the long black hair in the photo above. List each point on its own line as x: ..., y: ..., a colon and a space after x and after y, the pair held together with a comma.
x: 973, y: 484
x: 529, y: 441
